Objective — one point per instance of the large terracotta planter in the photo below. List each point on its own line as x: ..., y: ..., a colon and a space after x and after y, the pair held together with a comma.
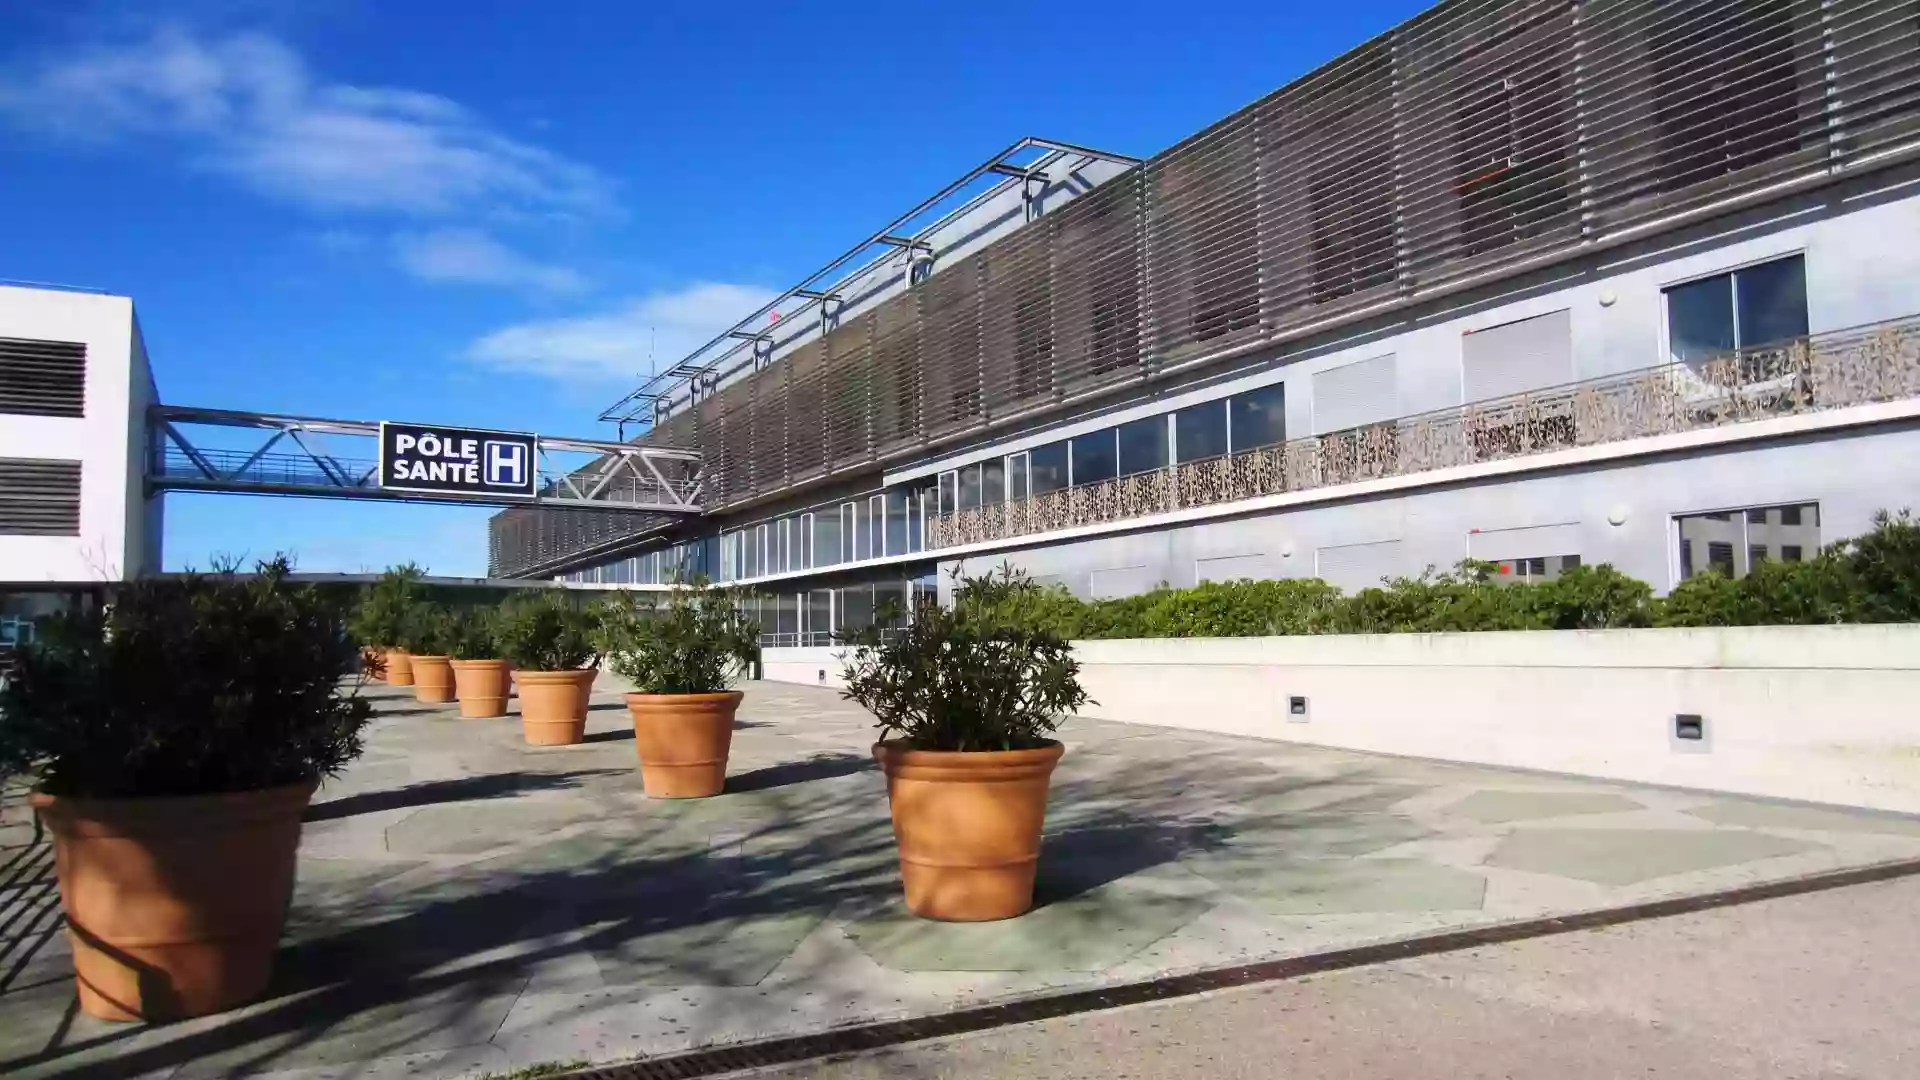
x: 174, y: 905
x: 432, y: 679
x: 968, y: 826
x: 481, y: 686
x: 553, y: 705
x: 399, y: 667
x: 683, y: 741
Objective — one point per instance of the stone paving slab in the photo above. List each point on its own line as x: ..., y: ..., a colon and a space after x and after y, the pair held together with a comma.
x: 468, y: 903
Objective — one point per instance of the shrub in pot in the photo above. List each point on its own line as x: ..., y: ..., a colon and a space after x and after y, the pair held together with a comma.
x: 174, y: 740
x: 549, y: 643
x: 427, y: 633
x: 381, y: 618
x: 681, y: 657
x: 479, y: 674
x: 967, y: 704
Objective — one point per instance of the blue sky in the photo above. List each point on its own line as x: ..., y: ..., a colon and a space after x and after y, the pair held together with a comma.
x: 480, y: 212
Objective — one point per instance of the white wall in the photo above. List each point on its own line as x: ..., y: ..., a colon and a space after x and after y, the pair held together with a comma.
x: 1822, y: 714
x: 108, y: 547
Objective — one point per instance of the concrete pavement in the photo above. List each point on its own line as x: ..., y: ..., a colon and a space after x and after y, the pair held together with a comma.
x: 468, y: 903
x: 1819, y: 985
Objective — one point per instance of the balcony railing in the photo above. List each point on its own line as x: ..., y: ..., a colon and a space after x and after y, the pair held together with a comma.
x: 1829, y: 371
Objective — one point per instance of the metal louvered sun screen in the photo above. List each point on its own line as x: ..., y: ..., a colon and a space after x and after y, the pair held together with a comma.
x: 39, y: 497
x: 1480, y: 135
x: 43, y: 378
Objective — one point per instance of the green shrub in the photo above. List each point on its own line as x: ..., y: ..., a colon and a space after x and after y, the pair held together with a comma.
x: 187, y: 685
x: 698, y: 642
x: 1591, y: 598
x: 966, y: 677
x: 1882, y: 569
x: 383, y: 611
x: 426, y: 630
x: 473, y: 633
x: 545, y: 630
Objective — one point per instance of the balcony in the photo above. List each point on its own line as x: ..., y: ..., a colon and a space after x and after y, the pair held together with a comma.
x: 1829, y: 371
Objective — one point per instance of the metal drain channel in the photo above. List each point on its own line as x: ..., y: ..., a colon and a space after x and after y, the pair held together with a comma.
x: 840, y: 1042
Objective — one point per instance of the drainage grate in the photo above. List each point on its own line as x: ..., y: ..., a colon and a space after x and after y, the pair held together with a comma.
x: 827, y: 1044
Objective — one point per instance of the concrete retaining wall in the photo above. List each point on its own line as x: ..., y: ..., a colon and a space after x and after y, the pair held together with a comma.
x: 1825, y: 714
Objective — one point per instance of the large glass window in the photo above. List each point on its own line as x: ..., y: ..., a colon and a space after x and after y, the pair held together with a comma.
x: 1094, y: 458
x: 948, y: 494
x: 786, y: 618
x: 826, y: 538
x: 1047, y: 466
x: 1200, y: 431
x: 1143, y: 445
x: 1734, y: 542
x: 856, y: 608
x: 1259, y: 418
x: 993, y: 482
x: 850, y: 532
x: 899, y: 515
x: 1747, y: 308
x: 970, y: 487
x: 875, y: 526
x: 1016, y: 477
x: 818, y: 622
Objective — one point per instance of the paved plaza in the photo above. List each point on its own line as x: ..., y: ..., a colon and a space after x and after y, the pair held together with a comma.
x: 467, y: 903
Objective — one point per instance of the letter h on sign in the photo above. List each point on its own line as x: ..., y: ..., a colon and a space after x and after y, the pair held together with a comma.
x: 506, y: 464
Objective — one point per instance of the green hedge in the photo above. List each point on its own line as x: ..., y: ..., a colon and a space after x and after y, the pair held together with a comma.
x: 1869, y: 579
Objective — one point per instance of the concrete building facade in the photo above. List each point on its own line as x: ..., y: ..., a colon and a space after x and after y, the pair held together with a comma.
x: 1540, y: 284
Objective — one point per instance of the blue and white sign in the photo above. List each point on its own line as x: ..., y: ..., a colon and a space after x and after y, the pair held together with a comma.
x: 457, y: 461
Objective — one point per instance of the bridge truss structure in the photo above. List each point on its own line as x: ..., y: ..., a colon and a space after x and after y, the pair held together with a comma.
x: 220, y: 450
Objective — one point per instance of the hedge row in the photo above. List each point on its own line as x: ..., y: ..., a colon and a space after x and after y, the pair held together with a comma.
x: 1874, y: 578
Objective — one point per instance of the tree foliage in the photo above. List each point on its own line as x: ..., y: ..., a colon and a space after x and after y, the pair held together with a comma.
x: 545, y: 630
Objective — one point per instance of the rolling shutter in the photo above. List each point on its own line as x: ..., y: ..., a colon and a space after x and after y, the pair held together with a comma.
x: 1517, y: 357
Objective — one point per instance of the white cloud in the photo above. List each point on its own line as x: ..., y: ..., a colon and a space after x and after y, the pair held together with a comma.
x: 246, y: 105
x: 615, y: 344
x: 472, y: 257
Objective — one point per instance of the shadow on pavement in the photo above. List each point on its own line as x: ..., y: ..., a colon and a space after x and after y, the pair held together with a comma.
x: 820, y: 767
x: 463, y: 789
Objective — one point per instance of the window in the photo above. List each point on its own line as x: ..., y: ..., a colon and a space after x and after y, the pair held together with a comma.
x: 949, y: 483
x: 970, y: 487
x: 1093, y: 457
x: 1048, y: 467
x: 1725, y: 93
x: 856, y: 608
x: 1142, y: 445
x: 1734, y: 542
x: 1200, y: 431
x: 826, y: 539
x: 899, y: 503
x: 876, y: 526
x: 764, y: 563
x: 1016, y: 477
x: 817, y: 619
x: 1259, y: 418
x: 993, y: 482
x: 783, y: 546
x: 1748, y: 308
x: 803, y: 544
x: 1533, y: 569
x: 849, y: 532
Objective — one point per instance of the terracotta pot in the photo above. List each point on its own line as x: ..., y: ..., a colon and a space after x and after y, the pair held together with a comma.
x: 399, y: 667
x: 432, y: 679
x: 683, y: 741
x: 481, y: 686
x: 553, y: 705
x: 174, y: 905
x: 968, y: 825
